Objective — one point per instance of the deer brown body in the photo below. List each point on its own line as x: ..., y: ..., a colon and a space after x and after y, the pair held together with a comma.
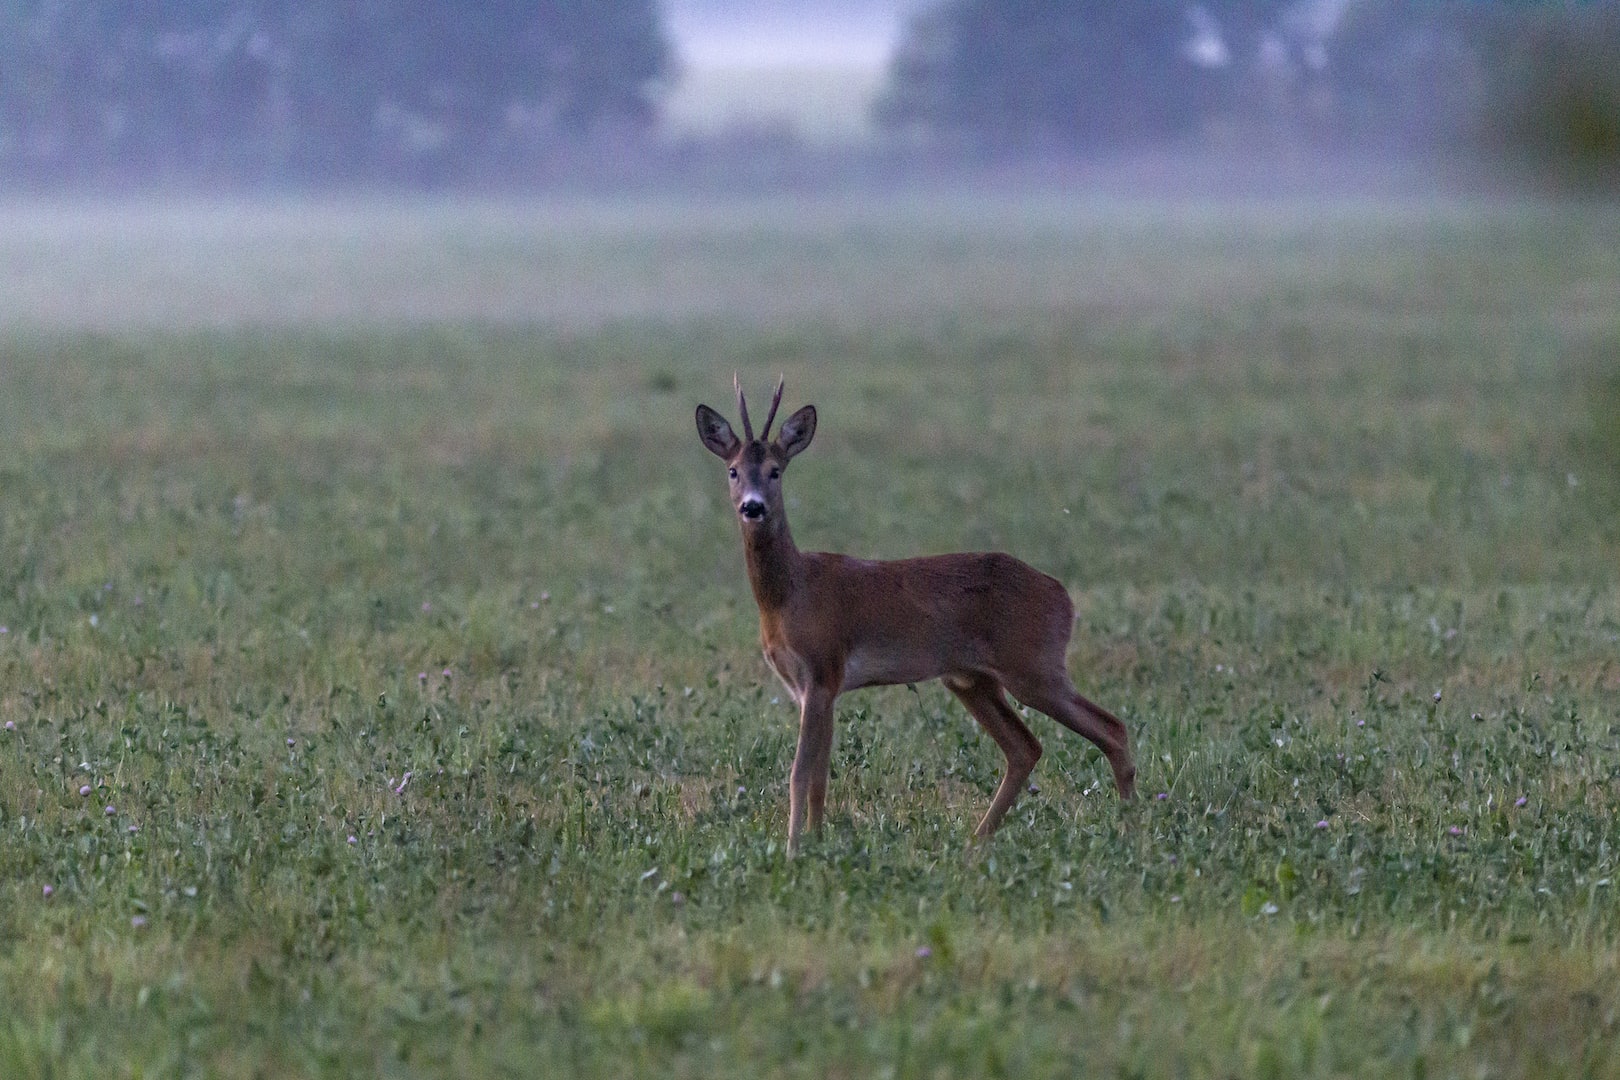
x: 985, y: 623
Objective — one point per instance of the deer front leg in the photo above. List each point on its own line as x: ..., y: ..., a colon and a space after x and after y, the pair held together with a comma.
x: 807, y: 785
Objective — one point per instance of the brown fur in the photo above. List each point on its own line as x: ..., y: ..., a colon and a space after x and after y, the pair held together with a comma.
x: 985, y: 623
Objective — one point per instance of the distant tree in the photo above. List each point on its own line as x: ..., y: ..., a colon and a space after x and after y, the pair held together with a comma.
x: 349, y: 87
x: 1553, y: 94
x: 1246, y: 26
x: 1401, y: 75
x: 437, y: 79
x: 58, y: 79
x: 1541, y: 81
x: 1408, y: 76
x: 1051, y: 74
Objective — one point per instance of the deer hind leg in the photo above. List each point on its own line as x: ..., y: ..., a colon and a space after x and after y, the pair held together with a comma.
x: 807, y: 784
x: 1056, y: 696
x: 982, y: 697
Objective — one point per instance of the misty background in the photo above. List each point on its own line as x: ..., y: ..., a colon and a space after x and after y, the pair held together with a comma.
x: 366, y: 94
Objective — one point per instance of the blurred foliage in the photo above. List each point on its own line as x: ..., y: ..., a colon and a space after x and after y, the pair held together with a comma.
x: 1405, y: 76
x: 407, y: 89
x: 1558, y: 95
x: 1046, y: 74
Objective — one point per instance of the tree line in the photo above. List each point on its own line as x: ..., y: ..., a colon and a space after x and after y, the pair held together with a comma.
x: 342, y: 90
x: 1020, y: 76
x: 429, y: 90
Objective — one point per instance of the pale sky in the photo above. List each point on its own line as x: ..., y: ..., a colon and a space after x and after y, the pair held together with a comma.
x: 775, y: 38
x: 733, y: 32
x: 811, y: 68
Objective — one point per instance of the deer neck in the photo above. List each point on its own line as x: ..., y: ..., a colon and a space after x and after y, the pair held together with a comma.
x: 773, y: 562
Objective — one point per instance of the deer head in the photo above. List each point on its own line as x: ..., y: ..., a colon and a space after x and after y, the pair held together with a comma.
x: 754, y: 466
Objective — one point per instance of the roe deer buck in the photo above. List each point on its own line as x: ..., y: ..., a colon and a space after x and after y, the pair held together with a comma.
x: 984, y: 622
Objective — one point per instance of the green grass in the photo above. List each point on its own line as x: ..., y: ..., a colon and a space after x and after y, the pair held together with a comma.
x: 1302, y: 470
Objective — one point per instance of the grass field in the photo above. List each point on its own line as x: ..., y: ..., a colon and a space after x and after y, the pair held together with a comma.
x: 380, y: 693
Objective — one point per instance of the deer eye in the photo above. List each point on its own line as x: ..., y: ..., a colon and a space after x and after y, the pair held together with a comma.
x: 776, y: 474
x: 732, y: 473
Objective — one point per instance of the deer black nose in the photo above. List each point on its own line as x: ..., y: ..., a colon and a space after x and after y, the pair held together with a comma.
x: 752, y: 509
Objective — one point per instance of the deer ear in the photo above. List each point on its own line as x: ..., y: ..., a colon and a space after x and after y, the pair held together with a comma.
x: 797, y: 431
x: 716, y: 433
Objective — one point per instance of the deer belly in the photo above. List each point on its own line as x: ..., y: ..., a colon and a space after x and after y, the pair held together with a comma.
x: 871, y: 667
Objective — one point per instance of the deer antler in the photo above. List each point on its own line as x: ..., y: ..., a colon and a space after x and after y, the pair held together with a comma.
x: 742, y: 407
x: 776, y: 400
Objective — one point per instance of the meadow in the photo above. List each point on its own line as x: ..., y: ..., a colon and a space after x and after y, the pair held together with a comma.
x: 380, y: 692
